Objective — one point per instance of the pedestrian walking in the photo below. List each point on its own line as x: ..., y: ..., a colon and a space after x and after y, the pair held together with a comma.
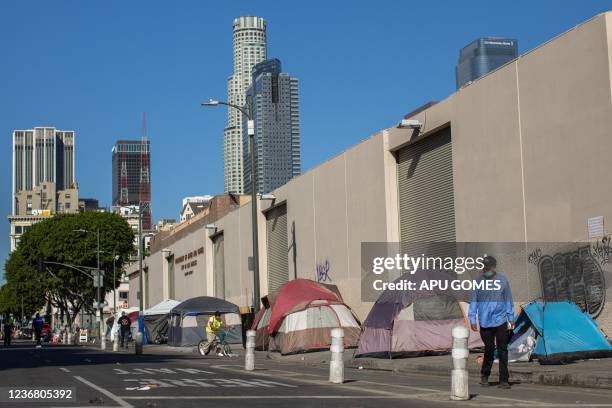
x: 9, y: 323
x: 37, y: 325
x: 124, y: 329
x: 492, y: 312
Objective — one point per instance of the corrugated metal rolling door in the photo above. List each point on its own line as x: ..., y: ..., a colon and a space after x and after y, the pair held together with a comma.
x: 276, y: 238
x: 219, y: 265
x: 425, y: 190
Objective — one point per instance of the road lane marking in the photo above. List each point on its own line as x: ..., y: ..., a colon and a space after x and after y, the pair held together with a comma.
x: 241, y: 397
x: 150, y: 371
x: 64, y: 369
x: 109, y: 394
x: 208, y: 382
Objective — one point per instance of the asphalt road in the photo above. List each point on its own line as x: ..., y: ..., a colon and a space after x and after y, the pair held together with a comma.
x: 167, y: 379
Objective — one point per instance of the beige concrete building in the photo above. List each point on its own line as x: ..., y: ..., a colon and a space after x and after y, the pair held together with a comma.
x: 521, y: 155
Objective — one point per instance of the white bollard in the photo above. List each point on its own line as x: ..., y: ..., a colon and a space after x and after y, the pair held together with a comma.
x: 69, y: 337
x: 103, y: 341
x: 116, y: 343
x: 138, y: 342
x: 459, y: 373
x: 249, y: 357
x: 336, y: 363
x: 64, y: 337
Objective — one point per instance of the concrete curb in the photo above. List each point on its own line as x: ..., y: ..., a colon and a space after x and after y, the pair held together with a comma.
x: 542, y: 375
x: 546, y: 376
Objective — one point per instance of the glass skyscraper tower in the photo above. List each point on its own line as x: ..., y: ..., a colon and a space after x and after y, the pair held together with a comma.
x: 277, y: 128
x: 483, y: 56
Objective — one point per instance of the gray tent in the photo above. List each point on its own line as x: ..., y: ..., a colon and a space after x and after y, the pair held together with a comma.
x: 188, y: 320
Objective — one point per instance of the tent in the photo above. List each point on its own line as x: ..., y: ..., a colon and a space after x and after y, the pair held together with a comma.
x: 300, y: 318
x: 188, y: 320
x: 414, y: 322
x: 556, y: 333
x: 156, y: 321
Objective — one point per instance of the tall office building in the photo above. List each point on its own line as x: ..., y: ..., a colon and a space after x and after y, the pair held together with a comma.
x: 277, y: 128
x: 250, y: 48
x: 44, y: 180
x: 483, y: 56
x: 131, y: 176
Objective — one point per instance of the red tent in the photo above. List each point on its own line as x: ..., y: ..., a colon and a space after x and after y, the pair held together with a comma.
x: 299, y: 318
x: 296, y: 295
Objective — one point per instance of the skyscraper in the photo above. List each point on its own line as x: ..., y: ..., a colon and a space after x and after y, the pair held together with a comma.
x: 277, y: 127
x: 44, y: 180
x: 483, y: 56
x: 129, y: 158
x: 250, y: 48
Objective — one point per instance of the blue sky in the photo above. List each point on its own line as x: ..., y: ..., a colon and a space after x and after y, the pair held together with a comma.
x: 95, y: 66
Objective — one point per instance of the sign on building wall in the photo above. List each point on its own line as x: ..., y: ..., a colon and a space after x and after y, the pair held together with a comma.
x: 595, y: 227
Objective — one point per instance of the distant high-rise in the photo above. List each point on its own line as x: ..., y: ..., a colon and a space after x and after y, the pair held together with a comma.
x: 44, y: 180
x: 127, y: 172
x: 277, y: 128
x: 250, y: 48
x: 483, y: 56
x: 42, y: 154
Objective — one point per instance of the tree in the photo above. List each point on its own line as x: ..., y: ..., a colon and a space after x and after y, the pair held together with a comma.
x: 61, y: 239
x: 19, y: 299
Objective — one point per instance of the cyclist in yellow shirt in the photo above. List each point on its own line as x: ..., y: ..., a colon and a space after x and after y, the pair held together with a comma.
x: 214, y: 332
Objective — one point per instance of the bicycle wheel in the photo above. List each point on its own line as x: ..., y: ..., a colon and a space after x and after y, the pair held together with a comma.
x: 202, y: 348
x: 226, y: 350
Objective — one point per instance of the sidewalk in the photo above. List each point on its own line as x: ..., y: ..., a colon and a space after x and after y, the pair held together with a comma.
x: 585, y: 373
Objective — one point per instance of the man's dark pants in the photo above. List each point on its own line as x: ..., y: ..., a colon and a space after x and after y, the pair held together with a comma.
x: 8, y: 331
x: 38, y: 335
x: 491, y: 336
x: 124, y: 337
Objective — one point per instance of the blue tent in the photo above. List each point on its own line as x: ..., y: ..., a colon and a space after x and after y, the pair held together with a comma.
x: 556, y: 333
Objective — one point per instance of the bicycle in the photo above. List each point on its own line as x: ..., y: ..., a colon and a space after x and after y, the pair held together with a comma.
x: 218, y: 343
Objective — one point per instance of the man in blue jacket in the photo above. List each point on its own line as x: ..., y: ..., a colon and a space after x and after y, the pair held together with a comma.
x: 37, y: 324
x: 492, y: 311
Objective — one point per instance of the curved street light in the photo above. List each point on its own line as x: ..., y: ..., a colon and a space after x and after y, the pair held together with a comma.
x: 248, y: 112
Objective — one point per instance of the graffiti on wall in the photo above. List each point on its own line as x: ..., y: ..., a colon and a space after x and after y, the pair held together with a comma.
x: 322, y: 273
x: 575, y: 276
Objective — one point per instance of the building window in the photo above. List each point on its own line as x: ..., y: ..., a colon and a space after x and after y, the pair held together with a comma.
x: 18, y: 229
x: 123, y: 295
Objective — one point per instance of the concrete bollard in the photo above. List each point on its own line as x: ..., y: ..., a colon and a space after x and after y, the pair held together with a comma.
x: 69, y: 337
x: 336, y: 363
x: 249, y: 357
x: 103, y: 341
x: 459, y: 373
x: 64, y: 337
x: 138, y: 342
x: 116, y: 343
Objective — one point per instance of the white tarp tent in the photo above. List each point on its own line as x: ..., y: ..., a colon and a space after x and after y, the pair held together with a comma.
x: 162, y: 308
x: 115, y: 328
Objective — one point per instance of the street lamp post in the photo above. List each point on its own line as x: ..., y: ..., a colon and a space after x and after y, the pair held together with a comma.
x: 115, y: 257
x: 251, y: 133
x: 138, y: 341
x: 99, y: 290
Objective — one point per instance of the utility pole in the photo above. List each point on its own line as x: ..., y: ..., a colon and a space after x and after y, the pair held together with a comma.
x: 251, y: 134
x: 140, y: 336
x: 248, y: 112
x: 99, y: 296
x: 114, y: 284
